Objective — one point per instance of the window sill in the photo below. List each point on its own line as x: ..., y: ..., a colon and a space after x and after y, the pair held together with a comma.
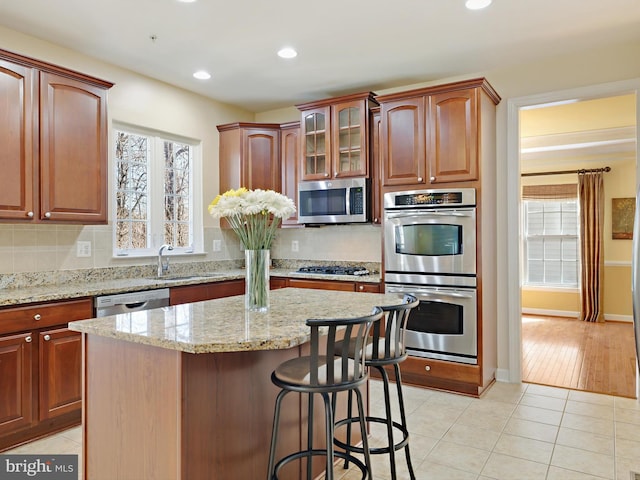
x: 164, y: 255
x: 547, y: 288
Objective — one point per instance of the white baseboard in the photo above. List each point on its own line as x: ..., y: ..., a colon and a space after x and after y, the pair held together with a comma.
x: 502, y: 375
x: 570, y: 314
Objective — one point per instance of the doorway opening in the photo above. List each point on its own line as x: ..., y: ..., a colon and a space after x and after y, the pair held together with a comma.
x: 566, y: 131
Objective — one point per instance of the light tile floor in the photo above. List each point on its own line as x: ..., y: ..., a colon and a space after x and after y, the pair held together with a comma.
x: 514, y: 432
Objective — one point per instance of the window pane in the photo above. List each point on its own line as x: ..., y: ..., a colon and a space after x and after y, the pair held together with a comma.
x: 132, y: 157
x: 177, y: 193
x: 551, y: 242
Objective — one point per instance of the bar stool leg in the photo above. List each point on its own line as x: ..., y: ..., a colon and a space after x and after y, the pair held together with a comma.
x: 363, y: 430
x: 274, y: 434
x: 328, y: 415
x: 310, y: 437
x: 389, y: 420
x: 403, y: 418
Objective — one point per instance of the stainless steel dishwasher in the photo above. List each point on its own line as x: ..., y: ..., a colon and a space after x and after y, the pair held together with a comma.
x: 131, y: 302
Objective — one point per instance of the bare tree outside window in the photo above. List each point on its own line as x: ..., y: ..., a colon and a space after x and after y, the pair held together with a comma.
x: 132, y: 152
x: 176, y: 194
x: 153, y: 193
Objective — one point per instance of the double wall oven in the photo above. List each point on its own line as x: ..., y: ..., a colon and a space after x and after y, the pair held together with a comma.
x: 430, y: 252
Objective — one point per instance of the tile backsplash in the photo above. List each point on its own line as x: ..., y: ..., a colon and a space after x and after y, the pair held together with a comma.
x: 41, y: 248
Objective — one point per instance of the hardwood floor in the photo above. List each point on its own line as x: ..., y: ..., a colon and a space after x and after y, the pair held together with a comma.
x: 566, y: 352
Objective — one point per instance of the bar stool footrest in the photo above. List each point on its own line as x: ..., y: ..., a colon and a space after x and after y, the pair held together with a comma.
x: 373, y: 450
x: 320, y: 453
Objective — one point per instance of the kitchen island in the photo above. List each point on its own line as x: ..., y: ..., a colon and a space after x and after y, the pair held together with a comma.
x: 184, y: 392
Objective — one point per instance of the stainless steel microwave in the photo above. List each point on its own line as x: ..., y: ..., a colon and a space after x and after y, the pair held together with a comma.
x: 343, y: 200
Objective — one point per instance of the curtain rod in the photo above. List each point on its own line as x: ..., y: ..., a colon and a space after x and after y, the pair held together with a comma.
x: 583, y: 170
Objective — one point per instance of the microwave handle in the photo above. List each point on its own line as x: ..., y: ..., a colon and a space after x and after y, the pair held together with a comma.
x: 425, y: 213
x: 348, y: 201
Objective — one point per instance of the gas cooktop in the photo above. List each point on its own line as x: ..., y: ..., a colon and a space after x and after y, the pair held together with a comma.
x: 334, y: 270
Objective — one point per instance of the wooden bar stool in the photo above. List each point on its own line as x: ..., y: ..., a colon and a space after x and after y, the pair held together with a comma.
x: 385, y: 347
x: 325, y: 371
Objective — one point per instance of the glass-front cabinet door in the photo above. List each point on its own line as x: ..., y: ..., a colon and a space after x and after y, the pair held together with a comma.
x: 335, y: 137
x: 317, y: 144
x: 350, y: 150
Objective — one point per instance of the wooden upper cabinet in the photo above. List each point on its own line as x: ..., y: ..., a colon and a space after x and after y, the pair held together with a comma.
x: 335, y: 137
x: 53, y: 132
x: 17, y: 155
x: 290, y: 156
x: 403, y: 141
x: 432, y: 135
x: 453, y: 136
x: 73, y: 150
x: 249, y: 156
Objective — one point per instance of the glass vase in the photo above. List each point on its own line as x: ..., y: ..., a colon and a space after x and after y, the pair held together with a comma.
x: 256, y: 298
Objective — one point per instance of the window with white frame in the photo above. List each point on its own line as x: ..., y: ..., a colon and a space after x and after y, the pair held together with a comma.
x: 550, y: 238
x: 156, y: 200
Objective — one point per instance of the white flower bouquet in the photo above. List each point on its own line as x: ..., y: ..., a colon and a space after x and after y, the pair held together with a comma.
x: 254, y: 215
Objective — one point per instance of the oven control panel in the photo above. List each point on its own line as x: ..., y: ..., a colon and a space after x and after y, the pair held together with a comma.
x: 462, y: 197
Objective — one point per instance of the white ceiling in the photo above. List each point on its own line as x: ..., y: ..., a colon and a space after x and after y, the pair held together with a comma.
x: 344, y: 46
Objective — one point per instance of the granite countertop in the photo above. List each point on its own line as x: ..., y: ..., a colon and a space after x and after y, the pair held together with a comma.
x: 91, y: 287
x: 223, y: 325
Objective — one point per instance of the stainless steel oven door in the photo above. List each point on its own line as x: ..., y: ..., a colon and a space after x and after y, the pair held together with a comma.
x: 430, y: 241
x: 443, y: 326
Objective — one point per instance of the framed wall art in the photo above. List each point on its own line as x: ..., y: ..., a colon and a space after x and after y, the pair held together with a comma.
x: 622, y: 213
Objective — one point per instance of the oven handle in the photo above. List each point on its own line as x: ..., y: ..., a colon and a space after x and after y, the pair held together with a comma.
x: 430, y: 293
x: 431, y: 213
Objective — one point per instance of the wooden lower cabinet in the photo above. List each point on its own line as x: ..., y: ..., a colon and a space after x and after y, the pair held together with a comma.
x: 205, y: 291
x: 60, y: 354
x: 16, y: 354
x: 343, y: 286
x: 40, y: 370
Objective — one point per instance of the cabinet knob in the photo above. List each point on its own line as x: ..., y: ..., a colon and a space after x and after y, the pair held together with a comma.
x: 419, y: 179
x: 375, y: 220
x: 326, y: 174
x: 37, y: 317
x: 361, y: 287
x: 47, y: 215
x: 30, y: 214
x: 433, y: 179
x: 427, y: 368
x: 47, y: 338
x: 28, y: 339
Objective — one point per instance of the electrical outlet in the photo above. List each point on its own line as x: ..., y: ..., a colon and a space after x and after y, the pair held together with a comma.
x: 295, y: 246
x: 83, y: 248
x: 217, y: 245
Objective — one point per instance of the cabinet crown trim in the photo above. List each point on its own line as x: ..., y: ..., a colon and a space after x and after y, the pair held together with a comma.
x: 447, y: 87
x: 51, y: 68
x: 371, y: 96
x: 257, y: 126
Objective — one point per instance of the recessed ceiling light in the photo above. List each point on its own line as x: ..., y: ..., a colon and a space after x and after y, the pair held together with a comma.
x: 202, y: 75
x: 477, y: 4
x: 287, y: 52
x: 187, y: 1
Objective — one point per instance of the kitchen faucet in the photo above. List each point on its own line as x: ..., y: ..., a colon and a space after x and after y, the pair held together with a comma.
x: 163, y: 267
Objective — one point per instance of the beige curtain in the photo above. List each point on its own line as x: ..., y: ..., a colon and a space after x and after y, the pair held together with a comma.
x: 591, y: 201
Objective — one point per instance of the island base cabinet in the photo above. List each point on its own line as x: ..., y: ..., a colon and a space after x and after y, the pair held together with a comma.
x: 153, y: 412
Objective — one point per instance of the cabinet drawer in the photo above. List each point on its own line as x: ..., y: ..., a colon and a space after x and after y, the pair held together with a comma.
x: 450, y: 371
x: 15, y: 319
